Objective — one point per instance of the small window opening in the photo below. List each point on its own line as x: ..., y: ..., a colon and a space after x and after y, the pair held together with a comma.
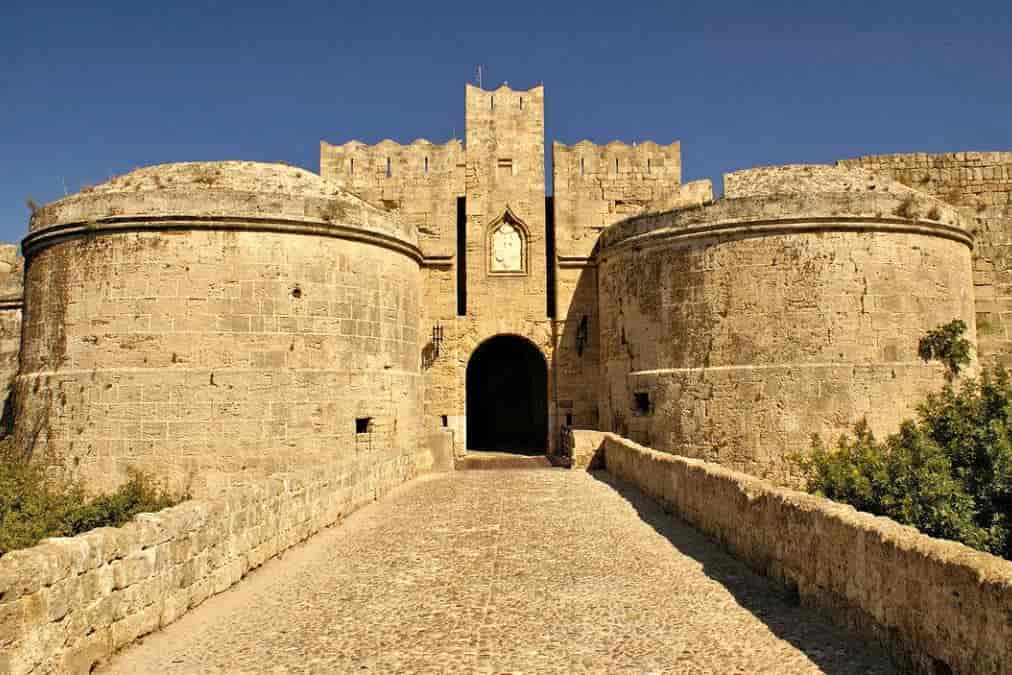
x: 444, y: 420
x: 296, y: 292
x: 569, y: 419
x: 616, y: 165
x: 388, y: 167
x: 363, y: 425
x: 641, y: 402
x: 583, y: 169
x: 351, y: 166
x: 648, y: 166
x: 521, y: 102
x: 491, y: 102
x: 426, y: 165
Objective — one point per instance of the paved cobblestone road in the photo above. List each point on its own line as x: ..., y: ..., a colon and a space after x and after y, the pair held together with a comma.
x: 533, y: 571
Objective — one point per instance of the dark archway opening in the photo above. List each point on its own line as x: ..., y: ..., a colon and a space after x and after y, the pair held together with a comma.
x: 507, y: 397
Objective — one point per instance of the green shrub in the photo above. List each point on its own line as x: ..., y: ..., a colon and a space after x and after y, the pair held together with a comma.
x: 34, y: 506
x: 974, y: 428
x: 949, y: 473
x: 946, y: 344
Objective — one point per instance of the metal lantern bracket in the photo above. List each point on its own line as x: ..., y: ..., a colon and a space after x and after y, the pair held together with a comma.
x: 437, y: 337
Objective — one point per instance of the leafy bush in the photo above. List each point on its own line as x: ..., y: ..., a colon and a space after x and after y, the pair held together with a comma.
x: 34, y: 506
x: 949, y: 473
x: 946, y: 344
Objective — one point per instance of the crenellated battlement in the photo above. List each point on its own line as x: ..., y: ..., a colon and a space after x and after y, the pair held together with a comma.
x: 421, y: 181
x: 504, y: 102
x: 356, y: 163
x: 597, y: 185
x: 586, y: 160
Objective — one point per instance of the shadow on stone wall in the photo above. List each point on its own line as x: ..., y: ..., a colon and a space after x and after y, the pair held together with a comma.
x: 575, y: 363
x: 776, y: 606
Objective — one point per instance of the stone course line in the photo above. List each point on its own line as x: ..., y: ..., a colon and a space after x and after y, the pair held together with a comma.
x: 533, y: 571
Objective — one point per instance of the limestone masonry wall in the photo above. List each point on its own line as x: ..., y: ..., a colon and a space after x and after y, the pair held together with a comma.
x: 505, y: 181
x: 421, y: 181
x: 12, y: 272
x: 732, y: 332
x: 204, y: 331
x: 979, y: 184
x: 597, y: 185
x: 69, y: 603
x: 938, y: 605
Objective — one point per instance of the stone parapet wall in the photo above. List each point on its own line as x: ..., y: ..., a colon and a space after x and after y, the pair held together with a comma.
x: 586, y: 448
x: 759, y: 342
x: 69, y: 603
x: 420, y: 181
x: 597, y: 185
x: 243, y: 194
x: 806, y: 179
x: 197, y: 356
x: 937, y: 605
x: 687, y: 195
x: 979, y: 185
x: 181, y: 322
x: 733, y: 331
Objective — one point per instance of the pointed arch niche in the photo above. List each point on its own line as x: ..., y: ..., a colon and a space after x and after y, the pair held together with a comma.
x: 507, y: 244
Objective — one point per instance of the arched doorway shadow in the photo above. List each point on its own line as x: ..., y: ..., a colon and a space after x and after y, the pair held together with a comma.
x: 507, y: 397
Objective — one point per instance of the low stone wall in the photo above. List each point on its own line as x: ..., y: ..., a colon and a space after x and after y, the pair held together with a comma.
x: 586, y: 449
x: 937, y: 605
x: 69, y: 603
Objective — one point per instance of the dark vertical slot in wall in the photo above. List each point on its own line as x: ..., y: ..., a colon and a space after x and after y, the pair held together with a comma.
x: 550, y: 255
x: 461, y: 256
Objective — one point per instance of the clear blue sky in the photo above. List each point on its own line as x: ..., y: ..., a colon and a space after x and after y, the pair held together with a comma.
x: 90, y: 92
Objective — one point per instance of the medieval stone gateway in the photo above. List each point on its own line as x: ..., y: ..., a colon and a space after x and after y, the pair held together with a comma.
x: 291, y: 347
x: 507, y: 396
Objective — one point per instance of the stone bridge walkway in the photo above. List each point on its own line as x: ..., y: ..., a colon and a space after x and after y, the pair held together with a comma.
x: 532, y: 571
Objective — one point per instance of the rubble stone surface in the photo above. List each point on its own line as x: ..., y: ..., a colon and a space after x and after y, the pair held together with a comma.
x: 535, y: 571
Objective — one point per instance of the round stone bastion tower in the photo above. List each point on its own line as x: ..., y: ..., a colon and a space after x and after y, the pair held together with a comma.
x: 204, y: 320
x: 734, y: 330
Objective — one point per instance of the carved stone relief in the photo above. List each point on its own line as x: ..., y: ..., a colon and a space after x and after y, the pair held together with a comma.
x: 507, y: 248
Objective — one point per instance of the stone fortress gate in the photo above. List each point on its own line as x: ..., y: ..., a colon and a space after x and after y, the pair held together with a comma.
x: 413, y: 302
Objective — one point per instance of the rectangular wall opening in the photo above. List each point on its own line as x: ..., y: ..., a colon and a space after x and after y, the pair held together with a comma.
x: 461, y: 256
x: 641, y: 402
x: 550, y: 257
x: 363, y: 425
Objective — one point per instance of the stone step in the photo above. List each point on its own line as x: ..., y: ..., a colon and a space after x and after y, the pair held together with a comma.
x: 500, y: 460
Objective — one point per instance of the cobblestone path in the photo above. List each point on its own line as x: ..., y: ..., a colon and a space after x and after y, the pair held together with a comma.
x: 533, y: 571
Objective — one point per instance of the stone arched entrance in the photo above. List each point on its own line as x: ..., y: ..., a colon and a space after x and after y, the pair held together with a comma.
x: 507, y: 397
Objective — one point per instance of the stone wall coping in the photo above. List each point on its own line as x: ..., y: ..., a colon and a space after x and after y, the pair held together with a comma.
x: 227, y: 191
x: 786, y: 214
x: 930, y: 601
x: 48, y: 236
x: 929, y: 159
